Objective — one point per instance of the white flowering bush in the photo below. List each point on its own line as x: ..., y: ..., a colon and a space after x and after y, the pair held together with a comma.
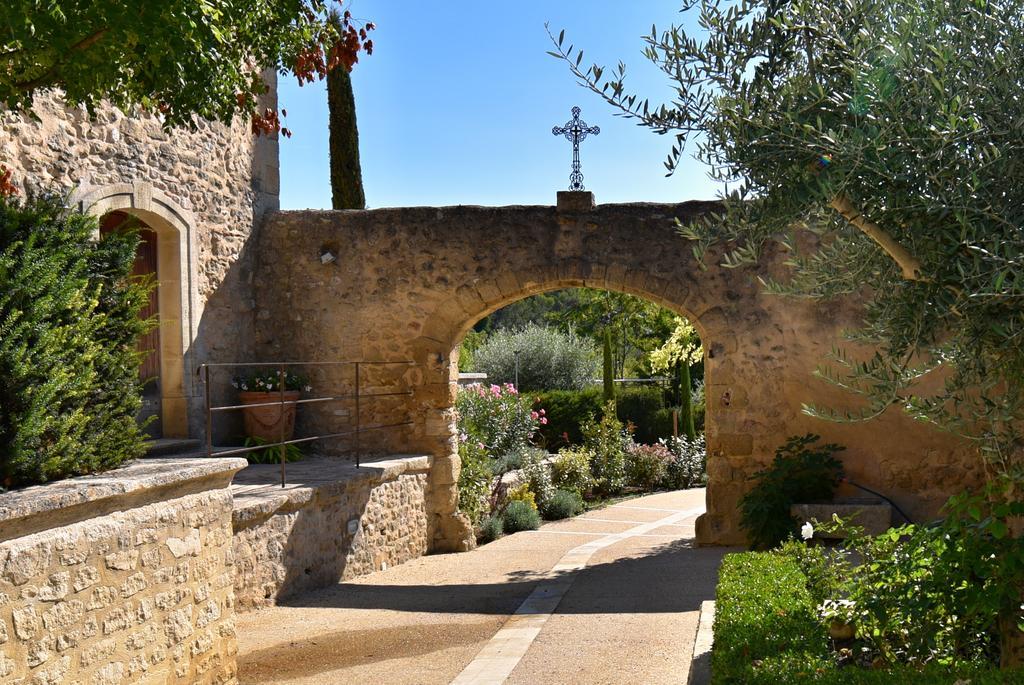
x: 688, y: 465
x: 270, y: 381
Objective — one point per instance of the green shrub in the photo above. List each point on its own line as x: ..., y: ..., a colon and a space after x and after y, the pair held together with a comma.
x: 548, y: 359
x: 522, y: 493
x: 567, y: 411
x: 563, y: 504
x: 799, y: 473
x: 607, y: 440
x: 951, y: 581
x: 491, y: 529
x: 647, y: 465
x: 688, y: 466
x: 475, y: 477
x: 537, y: 475
x: 644, y: 407
x: 519, y: 515
x: 571, y: 471
x: 69, y: 322
x: 270, y: 455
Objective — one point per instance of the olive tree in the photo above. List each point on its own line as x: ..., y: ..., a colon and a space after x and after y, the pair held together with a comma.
x: 895, y: 130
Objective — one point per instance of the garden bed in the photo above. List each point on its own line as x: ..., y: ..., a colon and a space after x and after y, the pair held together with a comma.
x: 767, y: 631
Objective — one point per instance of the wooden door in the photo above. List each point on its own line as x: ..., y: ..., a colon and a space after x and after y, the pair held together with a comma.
x: 149, y: 344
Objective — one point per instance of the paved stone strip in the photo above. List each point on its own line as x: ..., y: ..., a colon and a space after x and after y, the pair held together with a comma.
x: 502, y: 653
x: 700, y: 664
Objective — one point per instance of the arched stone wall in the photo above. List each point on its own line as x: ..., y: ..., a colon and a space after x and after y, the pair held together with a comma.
x: 408, y: 283
x: 178, y: 294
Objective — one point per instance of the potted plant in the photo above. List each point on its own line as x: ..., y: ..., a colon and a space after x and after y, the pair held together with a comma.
x: 270, y: 418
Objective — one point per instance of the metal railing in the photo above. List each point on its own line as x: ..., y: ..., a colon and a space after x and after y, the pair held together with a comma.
x: 357, y: 397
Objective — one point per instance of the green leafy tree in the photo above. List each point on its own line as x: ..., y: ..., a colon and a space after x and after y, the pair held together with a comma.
x: 346, y: 172
x: 181, y: 58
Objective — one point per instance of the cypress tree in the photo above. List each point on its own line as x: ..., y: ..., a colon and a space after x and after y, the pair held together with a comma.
x: 685, y: 399
x: 609, y: 368
x: 346, y: 173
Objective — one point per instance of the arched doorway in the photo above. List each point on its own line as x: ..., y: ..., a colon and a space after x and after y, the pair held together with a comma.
x: 145, y: 267
x: 165, y: 250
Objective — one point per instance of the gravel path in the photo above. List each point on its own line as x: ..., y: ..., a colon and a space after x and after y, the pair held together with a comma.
x: 608, y: 597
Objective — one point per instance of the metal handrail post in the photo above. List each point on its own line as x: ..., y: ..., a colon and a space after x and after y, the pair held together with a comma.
x: 209, y: 411
x: 358, y: 423
x: 280, y: 419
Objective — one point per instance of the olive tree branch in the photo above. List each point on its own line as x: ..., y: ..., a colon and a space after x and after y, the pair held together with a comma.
x: 909, y: 265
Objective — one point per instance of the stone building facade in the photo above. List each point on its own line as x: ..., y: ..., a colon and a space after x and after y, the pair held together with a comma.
x: 200, y: 191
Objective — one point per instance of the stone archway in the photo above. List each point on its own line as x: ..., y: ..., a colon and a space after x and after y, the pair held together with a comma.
x: 408, y: 283
x: 174, y: 230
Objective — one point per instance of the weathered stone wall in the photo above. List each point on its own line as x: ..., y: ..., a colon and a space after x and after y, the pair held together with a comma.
x: 408, y: 283
x: 120, y: 578
x: 313, y: 536
x: 214, y: 183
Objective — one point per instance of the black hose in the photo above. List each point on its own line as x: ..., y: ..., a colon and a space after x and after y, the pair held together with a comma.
x: 878, y: 494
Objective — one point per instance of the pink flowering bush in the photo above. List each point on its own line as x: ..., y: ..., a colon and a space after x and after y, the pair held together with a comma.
x: 496, y: 426
x: 497, y: 417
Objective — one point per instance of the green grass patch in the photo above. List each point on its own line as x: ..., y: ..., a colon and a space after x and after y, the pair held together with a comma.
x: 767, y: 632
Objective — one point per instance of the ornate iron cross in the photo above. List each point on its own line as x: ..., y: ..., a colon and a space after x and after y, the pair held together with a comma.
x: 576, y: 131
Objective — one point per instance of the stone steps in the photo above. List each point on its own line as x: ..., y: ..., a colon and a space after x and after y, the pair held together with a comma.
x: 173, y: 447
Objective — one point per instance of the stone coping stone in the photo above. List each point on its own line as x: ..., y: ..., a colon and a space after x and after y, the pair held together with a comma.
x: 258, y: 494
x: 139, y: 482
x: 874, y: 516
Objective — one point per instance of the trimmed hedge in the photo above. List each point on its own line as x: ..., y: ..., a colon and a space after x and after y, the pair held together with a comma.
x: 767, y: 632
x: 69, y: 321
x: 644, y: 407
x: 566, y: 412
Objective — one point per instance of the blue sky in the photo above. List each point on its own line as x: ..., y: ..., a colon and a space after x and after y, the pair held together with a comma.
x: 457, y: 103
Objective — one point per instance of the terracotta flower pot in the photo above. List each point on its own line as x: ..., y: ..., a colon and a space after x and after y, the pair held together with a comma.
x: 266, y: 423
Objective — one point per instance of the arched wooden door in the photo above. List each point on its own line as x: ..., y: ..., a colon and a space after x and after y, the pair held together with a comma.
x: 149, y: 344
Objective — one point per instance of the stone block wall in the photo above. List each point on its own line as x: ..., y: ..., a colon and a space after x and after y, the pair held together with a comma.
x: 120, y: 578
x: 349, y: 523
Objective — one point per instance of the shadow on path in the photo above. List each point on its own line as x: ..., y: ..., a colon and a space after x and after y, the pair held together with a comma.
x: 620, y: 586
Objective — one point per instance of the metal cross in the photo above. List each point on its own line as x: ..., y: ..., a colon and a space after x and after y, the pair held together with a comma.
x: 576, y: 131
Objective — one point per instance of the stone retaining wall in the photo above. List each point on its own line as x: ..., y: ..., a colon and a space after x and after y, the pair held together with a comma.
x: 339, y: 522
x: 118, y: 578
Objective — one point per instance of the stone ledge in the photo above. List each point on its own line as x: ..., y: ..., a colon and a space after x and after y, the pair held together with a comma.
x: 258, y: 494
x: 61, y: 503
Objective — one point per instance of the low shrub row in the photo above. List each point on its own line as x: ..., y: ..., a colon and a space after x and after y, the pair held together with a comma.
x: 767, y: 631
